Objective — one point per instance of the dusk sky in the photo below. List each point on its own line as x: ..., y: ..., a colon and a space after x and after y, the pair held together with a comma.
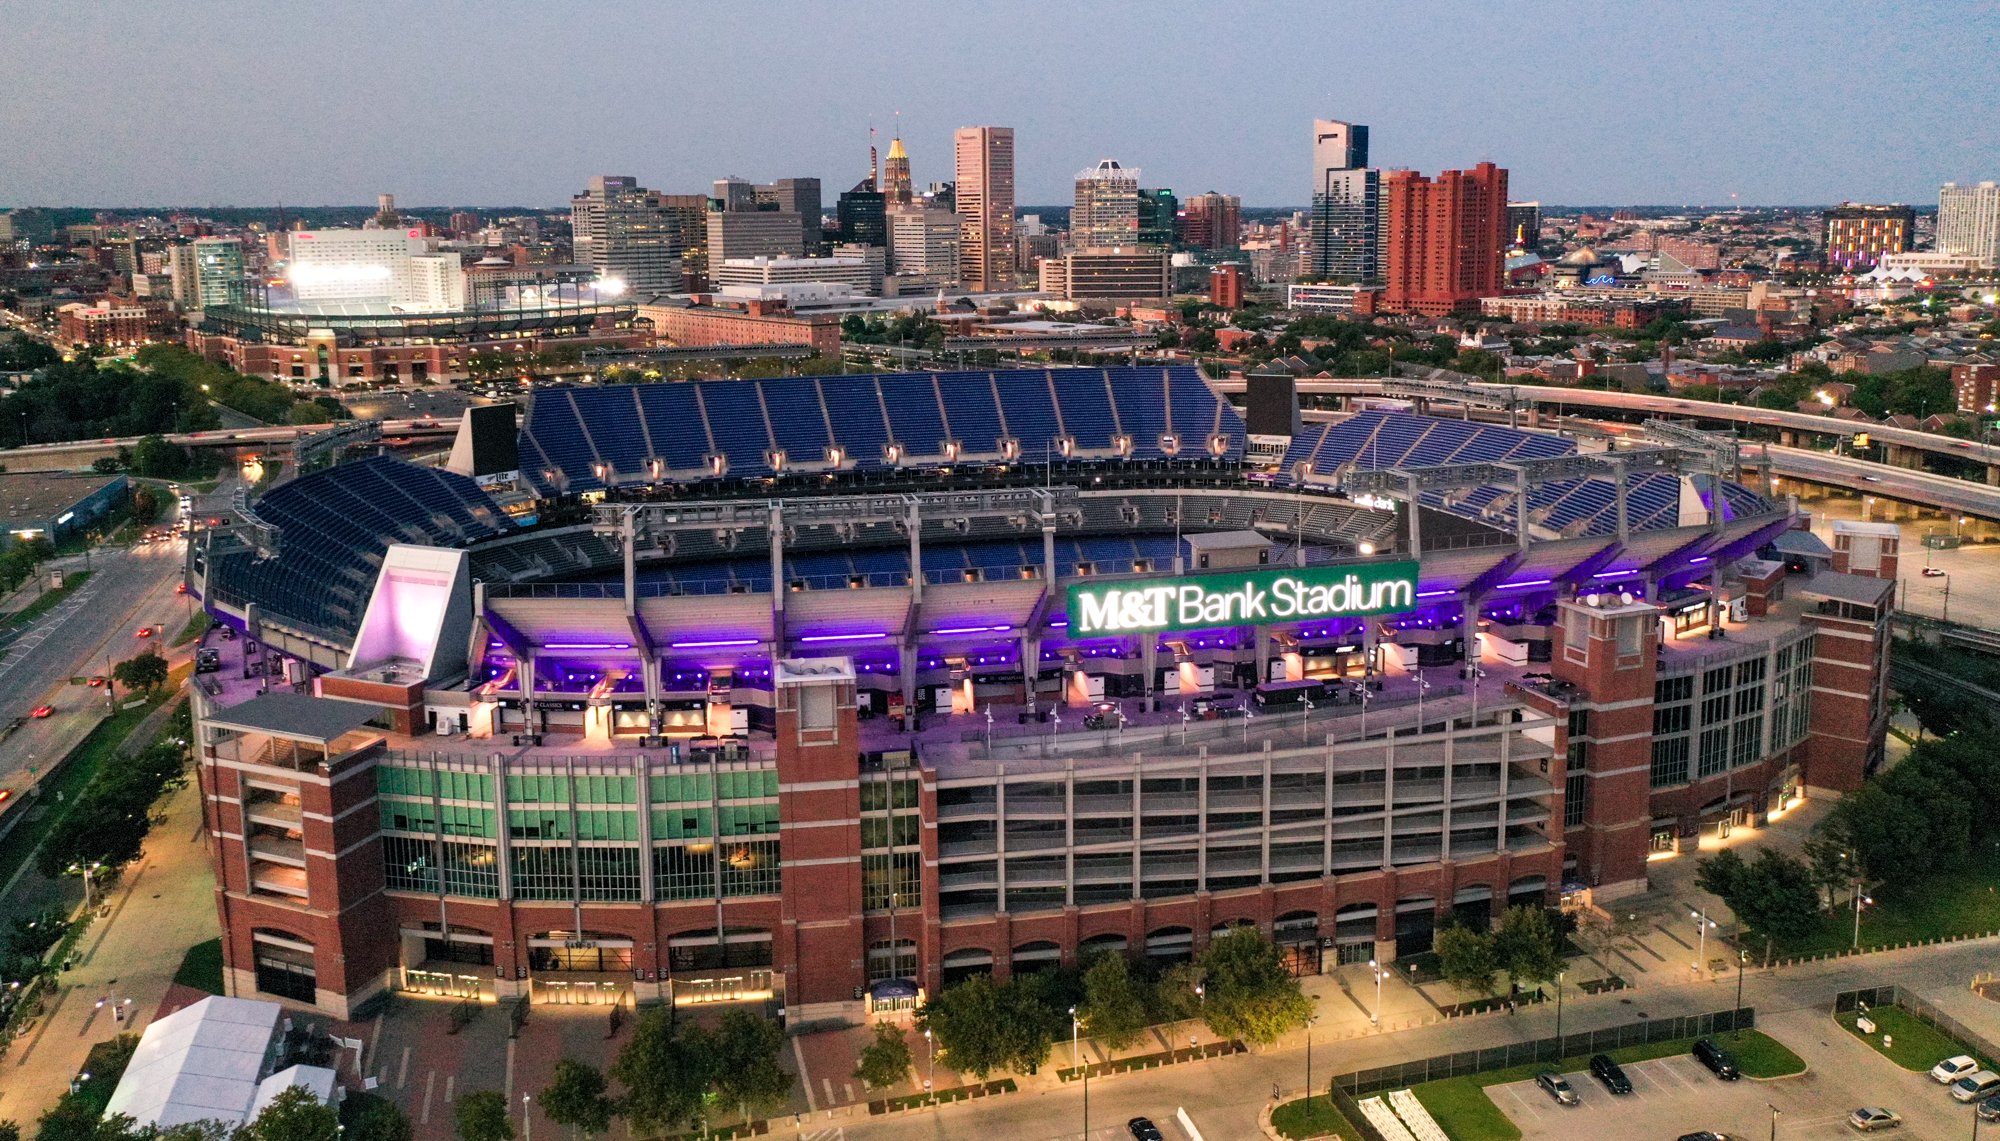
x: 204, y: 102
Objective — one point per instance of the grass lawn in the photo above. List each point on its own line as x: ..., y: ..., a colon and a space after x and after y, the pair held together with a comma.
x: 88, y: 757
x: 1315, y: 1117
x: 1465, y: 1112
x: 201, y: 967
x: 1919, y: 1045
x: 1948, y: 903
x: 197, y: 624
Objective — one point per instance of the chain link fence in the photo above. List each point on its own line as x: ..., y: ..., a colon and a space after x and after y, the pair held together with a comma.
x: 1362, y: 1083
x: 1908, y: 1002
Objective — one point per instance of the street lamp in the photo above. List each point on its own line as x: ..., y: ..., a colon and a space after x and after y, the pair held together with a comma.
x: 1559, y: 1012
x: 1375, y: 1016
x: 1742, y: 962
x: 1075, y: 1024
x: 527, y: 1119
x: 1860, y: 901
x: 1310, y: 1023
x: 1775, y: 1111
x: 930, y: 1053
x: 1701, y: 925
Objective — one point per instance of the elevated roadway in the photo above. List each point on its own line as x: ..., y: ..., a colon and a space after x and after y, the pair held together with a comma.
x: 1562, y: 399
x: 74, y: 455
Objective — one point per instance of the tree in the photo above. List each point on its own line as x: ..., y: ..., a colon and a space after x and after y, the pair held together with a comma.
x: 576, y: 1097
x: 381, y: 1121
x: 1526, y: 943
x: 883, y: 1062
x: 746, y: 1072
x: 1774, y: 895
x: 1467, y: 959
x: 147, y: 671
x: 482, y: 1116
x: 967, y: 1021
x: 1115, y: 1008
x: 297, y: 1114
x: 1249, y: 993
x: 145, y: 506
x: 105, y: 465
x: 155, y: 458
x: 665, y: 1070
x: 1173, y: 997
x: 10, y: 1131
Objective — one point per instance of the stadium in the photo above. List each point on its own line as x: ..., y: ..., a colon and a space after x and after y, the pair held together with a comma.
x: 826, y: 692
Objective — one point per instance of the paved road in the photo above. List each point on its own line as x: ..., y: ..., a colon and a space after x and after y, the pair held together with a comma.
x: 85, y: 634
x: 1224, y: 1097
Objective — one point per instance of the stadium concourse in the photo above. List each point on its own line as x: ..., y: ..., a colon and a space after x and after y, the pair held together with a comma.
x: 828, y: 691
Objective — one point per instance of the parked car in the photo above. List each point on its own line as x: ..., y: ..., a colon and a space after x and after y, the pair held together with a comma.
x: 1716, y: 1059
x: 1557, y: 1087
x: 1706, y: 1135
x: 1952, y: 1069
x: 1143, y: 1129
x: 1868, y: 1119
x: 1989, y: 1110
x: 1608, y: 1072
x: 1972, y: 1087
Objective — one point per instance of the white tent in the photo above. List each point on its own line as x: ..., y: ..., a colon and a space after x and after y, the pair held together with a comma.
x: 208, y: 1063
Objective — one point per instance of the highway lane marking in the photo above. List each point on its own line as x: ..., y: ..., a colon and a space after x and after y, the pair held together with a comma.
x: 403, y: 1069
x: 450, y: 1083
x: 430, y: 1086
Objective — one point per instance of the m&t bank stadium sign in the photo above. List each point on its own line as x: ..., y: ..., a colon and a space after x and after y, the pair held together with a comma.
x: 1290, y: 594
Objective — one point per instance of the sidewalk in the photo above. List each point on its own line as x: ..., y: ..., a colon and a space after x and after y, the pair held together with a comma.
x: 163, y: 904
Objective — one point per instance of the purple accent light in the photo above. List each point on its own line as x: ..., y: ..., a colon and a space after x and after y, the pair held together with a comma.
x: 843, y: 637
x: 587, y: 646
x: 1616, y: 574
x: 1439, y: 593
x: 719, y: 642
x: 1699, y: 559
x: 972, y: 630
x: 1524, y: 583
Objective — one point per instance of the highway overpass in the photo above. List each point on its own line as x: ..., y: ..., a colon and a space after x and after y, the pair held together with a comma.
x: 75, y: 455
x: 1534, y: 396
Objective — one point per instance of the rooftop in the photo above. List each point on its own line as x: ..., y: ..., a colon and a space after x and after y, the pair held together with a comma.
x: 35, y: 498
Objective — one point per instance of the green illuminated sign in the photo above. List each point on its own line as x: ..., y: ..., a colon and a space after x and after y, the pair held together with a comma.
x: 1239, y: 598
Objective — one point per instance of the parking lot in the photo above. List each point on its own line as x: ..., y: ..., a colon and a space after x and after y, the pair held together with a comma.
x: 1677, y: 1095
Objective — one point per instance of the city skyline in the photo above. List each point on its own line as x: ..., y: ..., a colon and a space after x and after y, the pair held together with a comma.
x: 206, y: 113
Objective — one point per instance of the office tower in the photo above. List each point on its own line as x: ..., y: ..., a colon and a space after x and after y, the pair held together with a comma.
x: 1104, y: 272
x: 735, y: 194
x: 1524, y: 225
x: 627, y: 234
x: 923, y: 239
x: 1225, y: 285
x: 1107, y: 207
x: 799, y: 196
x: 896, y: 185
x: 983, y: 160
x: 943, y: 195
x: 1213, y: 221
x: 206, y: 272
x: 464, y: 224
x: 860, y: 213
x: 27, y: 226
x: 736, y: 234
x: 1855, y: 236
x: 1443, y: 239
x: 1346, y: 203
x: 1159, y: 217
x: 1969, y: 222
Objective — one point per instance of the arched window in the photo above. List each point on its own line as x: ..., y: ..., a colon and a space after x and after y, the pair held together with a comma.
x: 965, y: 962
x: 1101, y: 945
x: 1039, y: 955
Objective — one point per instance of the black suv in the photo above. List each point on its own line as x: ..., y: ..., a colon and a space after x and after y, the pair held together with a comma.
x: 1143, y: 1129
x: 1716, y: 1059
x: 1606, y: 1071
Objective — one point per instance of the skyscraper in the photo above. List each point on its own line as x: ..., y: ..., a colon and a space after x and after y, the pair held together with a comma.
x: 799, y: 196
x: 627, y: 234
x: 861, y: 214
x: 1969, y: 221
x: 206, y: 272
x: 1443, y: 240
x: 1213, y: 221
x: 984, y: 184
x: 896, y: 185
x: 1159, y: 217
x: 1346, y: 203
x: 1107, y: 207
x: 1524, y: 225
